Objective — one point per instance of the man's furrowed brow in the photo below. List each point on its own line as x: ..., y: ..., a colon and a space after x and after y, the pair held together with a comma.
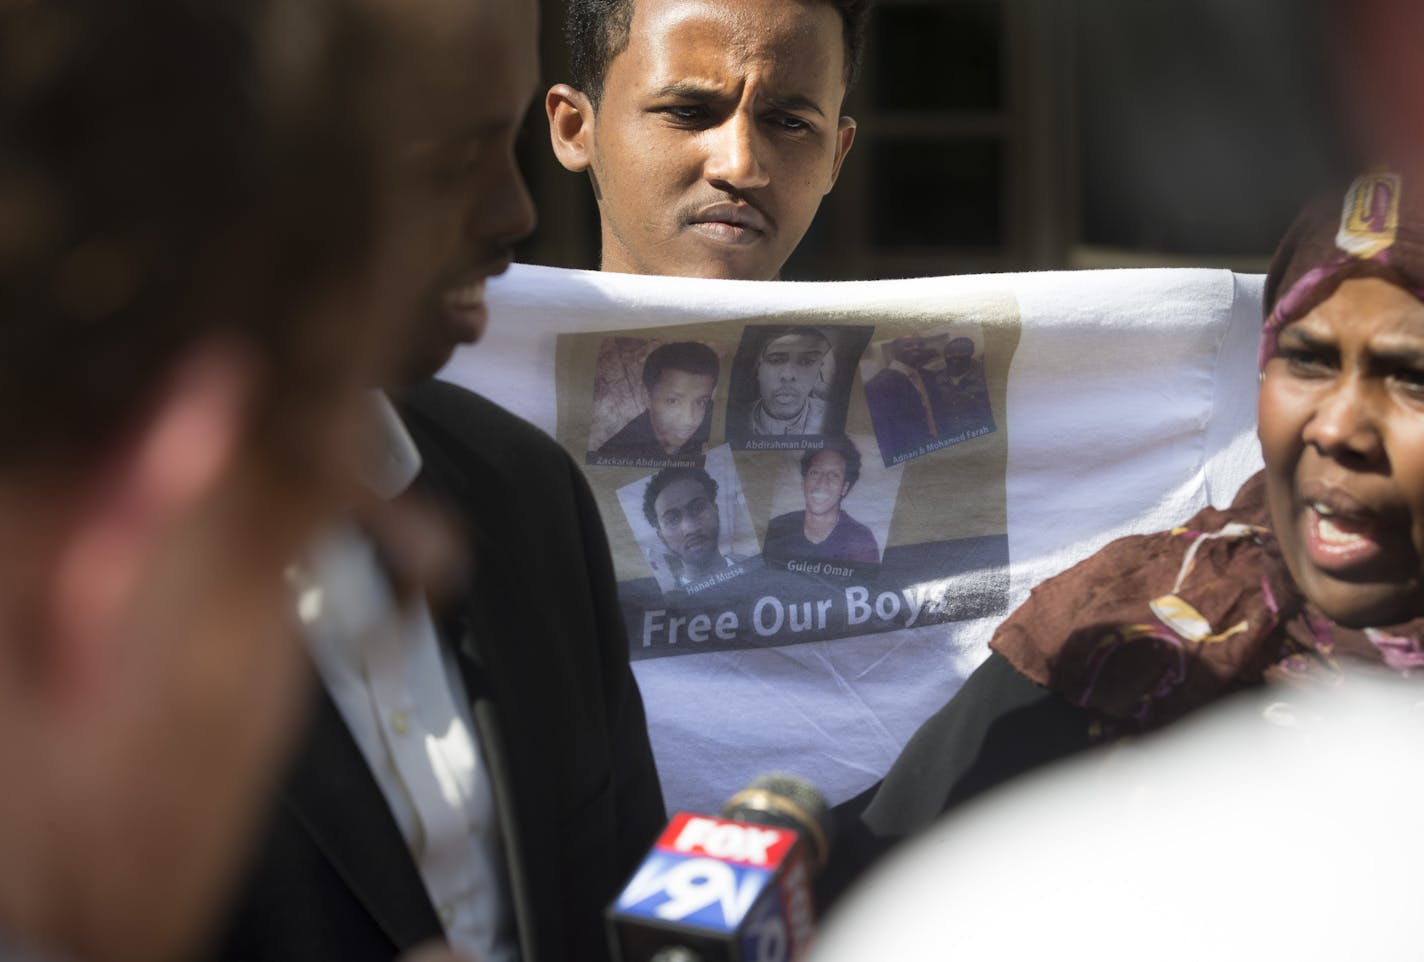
x: 689, y: 90
x: 795, y: 103
x: 705, y: 93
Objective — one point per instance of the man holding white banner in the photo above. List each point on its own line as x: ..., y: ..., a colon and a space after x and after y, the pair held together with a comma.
x: 828, y: 668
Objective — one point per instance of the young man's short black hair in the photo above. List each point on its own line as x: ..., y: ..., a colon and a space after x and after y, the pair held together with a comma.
x: 692, y: 357
x: 596, y: 31
x: 843, y: 446
x: 666, y: 477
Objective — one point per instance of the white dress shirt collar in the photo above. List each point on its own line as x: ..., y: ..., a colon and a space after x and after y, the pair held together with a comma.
x: 396, y: 461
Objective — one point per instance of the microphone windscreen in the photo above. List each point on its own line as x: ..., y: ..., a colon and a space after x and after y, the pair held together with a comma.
x: 784, y: 800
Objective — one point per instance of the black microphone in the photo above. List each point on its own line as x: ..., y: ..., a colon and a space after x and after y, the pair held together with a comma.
x: 729, y: 888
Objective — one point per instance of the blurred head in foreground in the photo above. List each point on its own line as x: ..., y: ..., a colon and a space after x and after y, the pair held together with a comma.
x: 188, y: 283
x: 1230, y: 819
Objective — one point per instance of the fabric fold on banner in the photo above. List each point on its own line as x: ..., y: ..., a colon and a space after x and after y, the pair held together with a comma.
x: 822, y: 498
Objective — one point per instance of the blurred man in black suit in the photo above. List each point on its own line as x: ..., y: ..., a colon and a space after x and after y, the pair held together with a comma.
x: 478, y: 770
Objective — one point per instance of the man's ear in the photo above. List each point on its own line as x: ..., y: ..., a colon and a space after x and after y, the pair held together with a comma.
x: 138, y: 498
x: 570, y: 126
x: 845, y: 136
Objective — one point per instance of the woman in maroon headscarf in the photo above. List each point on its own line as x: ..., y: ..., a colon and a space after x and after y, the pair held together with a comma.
x: 1317, y: 568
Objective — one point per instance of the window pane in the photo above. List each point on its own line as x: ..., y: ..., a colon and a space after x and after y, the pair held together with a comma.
x: 946, y: 193
x: 942, y: 57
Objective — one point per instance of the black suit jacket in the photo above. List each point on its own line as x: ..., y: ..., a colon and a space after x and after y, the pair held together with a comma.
x: 543, y: 652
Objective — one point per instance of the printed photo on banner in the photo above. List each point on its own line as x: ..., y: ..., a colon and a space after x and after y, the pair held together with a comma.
x: 831, y: 511
x: 652, y: 402
x: 790, y: 385
x: 725, y: 543
x: 692, y: 525
x: 926, y: 391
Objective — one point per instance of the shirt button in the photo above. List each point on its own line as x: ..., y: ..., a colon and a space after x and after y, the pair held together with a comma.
x: 447, y: 914
x: 400, y: 722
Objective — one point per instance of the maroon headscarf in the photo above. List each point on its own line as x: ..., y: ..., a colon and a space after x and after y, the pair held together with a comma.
x: 1377, y: 232
x: 1154, y: 626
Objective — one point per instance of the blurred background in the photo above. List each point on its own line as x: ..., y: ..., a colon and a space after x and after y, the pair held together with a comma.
x: 1010, y: 135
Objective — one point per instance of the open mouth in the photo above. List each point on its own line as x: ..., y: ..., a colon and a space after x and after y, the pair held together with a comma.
x: 1339, y: 541
x: 466, y: 311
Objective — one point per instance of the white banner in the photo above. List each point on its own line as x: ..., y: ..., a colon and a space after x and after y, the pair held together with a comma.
x: 821, y: 498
